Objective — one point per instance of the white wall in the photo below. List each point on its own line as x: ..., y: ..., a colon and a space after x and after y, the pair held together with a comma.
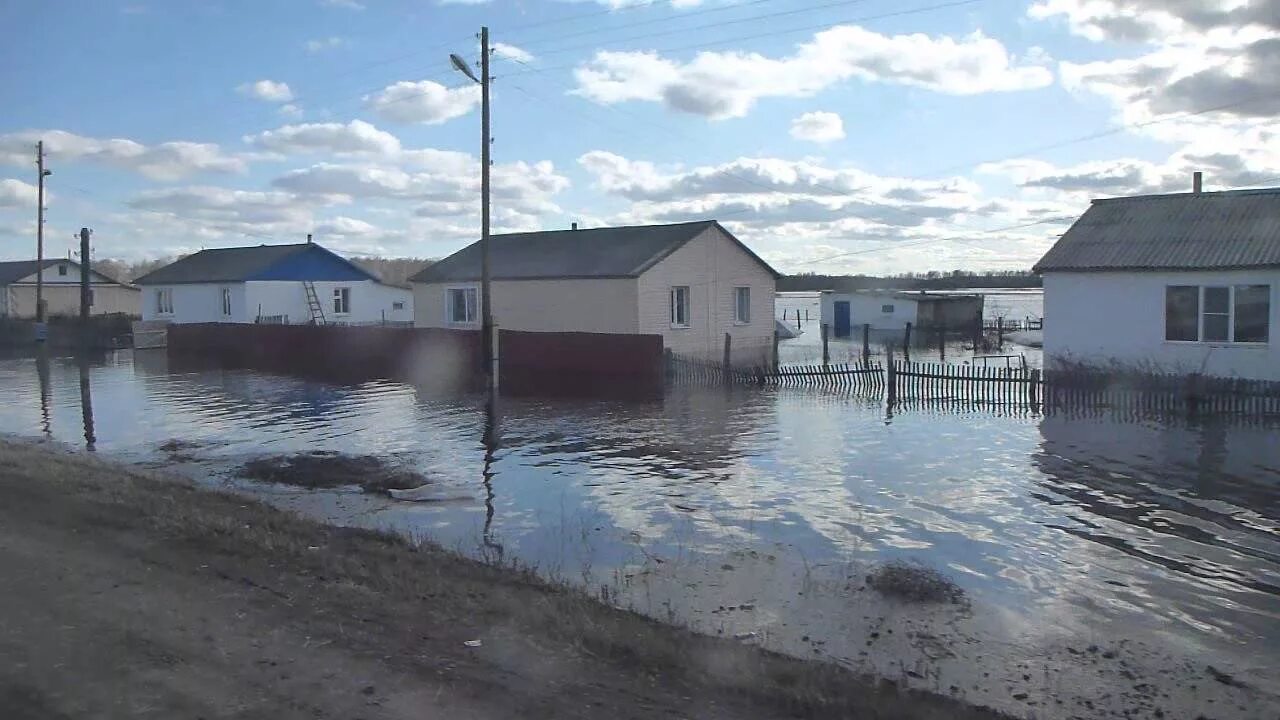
x: 598, y: 305
x: 867, y: 308
x: 711, y: 265
x: 202, y: 302
x: 1119, y: 316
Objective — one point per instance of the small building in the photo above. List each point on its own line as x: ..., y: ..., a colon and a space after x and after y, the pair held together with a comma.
x: 692, y: 283
x: 282, y: 284
x: 61, y: 291
x: 1181, y: 283
x: 890, y: 310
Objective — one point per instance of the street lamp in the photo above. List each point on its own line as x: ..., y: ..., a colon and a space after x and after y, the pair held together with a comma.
x: 486, y: 321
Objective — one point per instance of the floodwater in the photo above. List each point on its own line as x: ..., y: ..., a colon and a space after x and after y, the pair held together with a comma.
x: 1111, y: 568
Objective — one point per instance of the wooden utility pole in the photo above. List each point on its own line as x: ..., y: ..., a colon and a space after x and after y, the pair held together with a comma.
x: 84, y: 280
x: 486, y: 324
x: 41, y: 174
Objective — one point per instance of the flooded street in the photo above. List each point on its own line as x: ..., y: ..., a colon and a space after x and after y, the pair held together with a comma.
x: 1108, y: 566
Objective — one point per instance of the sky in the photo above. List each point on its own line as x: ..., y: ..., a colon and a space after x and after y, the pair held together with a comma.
x: 854, y: 136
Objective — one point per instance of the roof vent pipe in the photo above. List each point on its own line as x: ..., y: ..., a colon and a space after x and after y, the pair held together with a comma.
x: 573, y: 226
x: 1197, y: 182
x: 308, y: 238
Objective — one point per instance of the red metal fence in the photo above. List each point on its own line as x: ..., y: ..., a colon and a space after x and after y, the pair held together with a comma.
x: 582, y: 364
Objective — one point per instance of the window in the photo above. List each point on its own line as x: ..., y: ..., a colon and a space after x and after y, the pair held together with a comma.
x: 62, y: 270
x: 226, y: 301
x: 164, y: 301
x: 397, y: 305
x: 886, y: 309
x: 1222, y: 313
x: 460, y: 305
x: 341, y: 301
x: 742, y: 305
x: 680, y: 306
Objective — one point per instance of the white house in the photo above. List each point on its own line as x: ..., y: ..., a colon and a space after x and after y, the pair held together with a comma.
x: 691, y: 283
x: 61, y: 291
x: 292, y: 284
x: 1183, y: 282
x: 890, y: 310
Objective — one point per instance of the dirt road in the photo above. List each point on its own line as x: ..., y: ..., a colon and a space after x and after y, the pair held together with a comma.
x: 133, y: 595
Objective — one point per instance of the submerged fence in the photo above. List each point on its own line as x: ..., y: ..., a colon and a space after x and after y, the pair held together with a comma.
x: 899, y: 381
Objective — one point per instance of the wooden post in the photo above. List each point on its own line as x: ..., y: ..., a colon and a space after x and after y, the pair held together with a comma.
x: 1033, y: 390
x: 728, y: 353
x: 775, y: 351
x: 1000, y: 332
x: 942, y: 342
x: 906, y: 344
x: 866, y: 343
x: 977, y: 333
x: 798, y: 325
x: 826, y: 353
x: 85, y: 289
x: 891, y: 379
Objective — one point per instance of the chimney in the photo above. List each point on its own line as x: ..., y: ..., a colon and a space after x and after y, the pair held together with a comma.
x: 573, y: 226
x: 309, y: 234
x: 1197, y: 182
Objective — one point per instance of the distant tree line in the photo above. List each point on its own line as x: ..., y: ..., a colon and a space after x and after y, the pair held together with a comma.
x: 932, y: 280
x: 394, y: 271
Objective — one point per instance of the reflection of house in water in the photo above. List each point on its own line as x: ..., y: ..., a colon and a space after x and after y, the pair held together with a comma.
x: 1197, y: 500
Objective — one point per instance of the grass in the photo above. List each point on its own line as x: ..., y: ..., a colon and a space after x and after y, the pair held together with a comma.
x: 379, y: 574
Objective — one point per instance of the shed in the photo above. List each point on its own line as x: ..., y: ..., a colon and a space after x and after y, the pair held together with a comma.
x: 1181, y: 282
x: 61, y: 291
x: 692, y: 283
x: 891, y: 310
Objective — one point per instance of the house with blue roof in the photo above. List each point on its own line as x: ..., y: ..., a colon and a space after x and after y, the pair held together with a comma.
x: 296, y: 284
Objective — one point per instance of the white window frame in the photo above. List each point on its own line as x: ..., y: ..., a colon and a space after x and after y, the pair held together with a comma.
x: 164, y: 301
x: 1231, y: 314
x: 739, y: 318
x: 226, y: 302
x: 470, y: 302
x: 676, y: 306
x: 342, y: 300
x: 397, y: 305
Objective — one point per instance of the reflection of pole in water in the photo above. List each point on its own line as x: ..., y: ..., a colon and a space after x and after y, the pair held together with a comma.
x: 42, y: 372
x: 490, y: 440
x: 86, y: 403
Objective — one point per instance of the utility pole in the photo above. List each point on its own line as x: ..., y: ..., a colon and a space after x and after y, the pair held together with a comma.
x: 42, y: 173
x: 84, y: 278
x: 487, y: 318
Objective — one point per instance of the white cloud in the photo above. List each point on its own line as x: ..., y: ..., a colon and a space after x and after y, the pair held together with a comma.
x: 227, y: 210
x: 332, y: 42
x: 15, y: 193
x: 423, y: 102
x: 727, y: 84
x: 1156, y: 20
x: 164, y: 161
x: 290, y: 110
x: 819, y: 127
x: 267, y: 91
x: 511, y: 52
x: 345, y: 4
x: 354, y: 138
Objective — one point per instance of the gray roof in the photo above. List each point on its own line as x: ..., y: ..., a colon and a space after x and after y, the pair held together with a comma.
x: 613, y: 252
x: 1187, y: 231
x: 220, y: 265
x: 14, y: 270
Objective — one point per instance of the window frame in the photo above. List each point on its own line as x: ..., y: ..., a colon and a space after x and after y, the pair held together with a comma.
x: 397, y: 304
x: 687, y: 306
x: 164, y: 301
x: 342, y: 300
x: 1230, y: 315
x: 470, y: 304
x: 738, y: 317
x: 887, y: 308
x: 62, y: 270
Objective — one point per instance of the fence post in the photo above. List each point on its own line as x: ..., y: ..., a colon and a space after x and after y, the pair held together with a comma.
x: 891, y: 378
x: 798, y: 325
x: 942, y: 342
x: 775, y: 351
x: 826, y: 354
x: 977, y: 333
x: 906, y: 344
x: 1033, y: 390
x: 728, y: 354
x: 1000, y: 332
x: 866, y: 343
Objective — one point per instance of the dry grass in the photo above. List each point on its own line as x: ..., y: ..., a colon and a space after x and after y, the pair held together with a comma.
x: 915, y: 583
x: 321, y: 469
x: 379, y: 574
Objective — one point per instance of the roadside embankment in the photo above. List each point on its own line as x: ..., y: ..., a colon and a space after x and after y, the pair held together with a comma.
x: 135, y: 594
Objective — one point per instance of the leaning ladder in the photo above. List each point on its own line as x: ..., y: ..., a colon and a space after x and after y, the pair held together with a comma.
x: 313, y: 303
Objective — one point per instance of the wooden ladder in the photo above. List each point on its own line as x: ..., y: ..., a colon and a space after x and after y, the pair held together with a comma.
x: 313, y: 303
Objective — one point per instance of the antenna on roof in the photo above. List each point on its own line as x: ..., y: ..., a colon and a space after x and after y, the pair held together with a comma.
x: 308, y: 238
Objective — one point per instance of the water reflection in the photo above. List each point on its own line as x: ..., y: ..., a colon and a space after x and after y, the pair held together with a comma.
x: 42, y: 373
x: 86, y: 402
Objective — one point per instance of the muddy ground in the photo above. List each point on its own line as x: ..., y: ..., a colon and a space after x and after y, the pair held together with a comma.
x: 131, y: 594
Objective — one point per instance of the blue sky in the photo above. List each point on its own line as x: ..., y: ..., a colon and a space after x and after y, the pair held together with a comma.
x: 856, y: 136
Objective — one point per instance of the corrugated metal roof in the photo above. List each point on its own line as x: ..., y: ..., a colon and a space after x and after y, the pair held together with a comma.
x: 1188, y: 231
x: 561, y: 254
x: 224, y: 265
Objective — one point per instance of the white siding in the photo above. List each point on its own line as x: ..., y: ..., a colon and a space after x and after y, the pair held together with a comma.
x: 868, y: 308
x: 711, y: 265
x: 202, y: 302
x: 1119, y: 317
x: 605, y: 305
x: 196, y: 303
x: 64, y: 299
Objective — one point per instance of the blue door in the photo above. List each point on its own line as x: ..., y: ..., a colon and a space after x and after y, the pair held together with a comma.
x: 842, y: 318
